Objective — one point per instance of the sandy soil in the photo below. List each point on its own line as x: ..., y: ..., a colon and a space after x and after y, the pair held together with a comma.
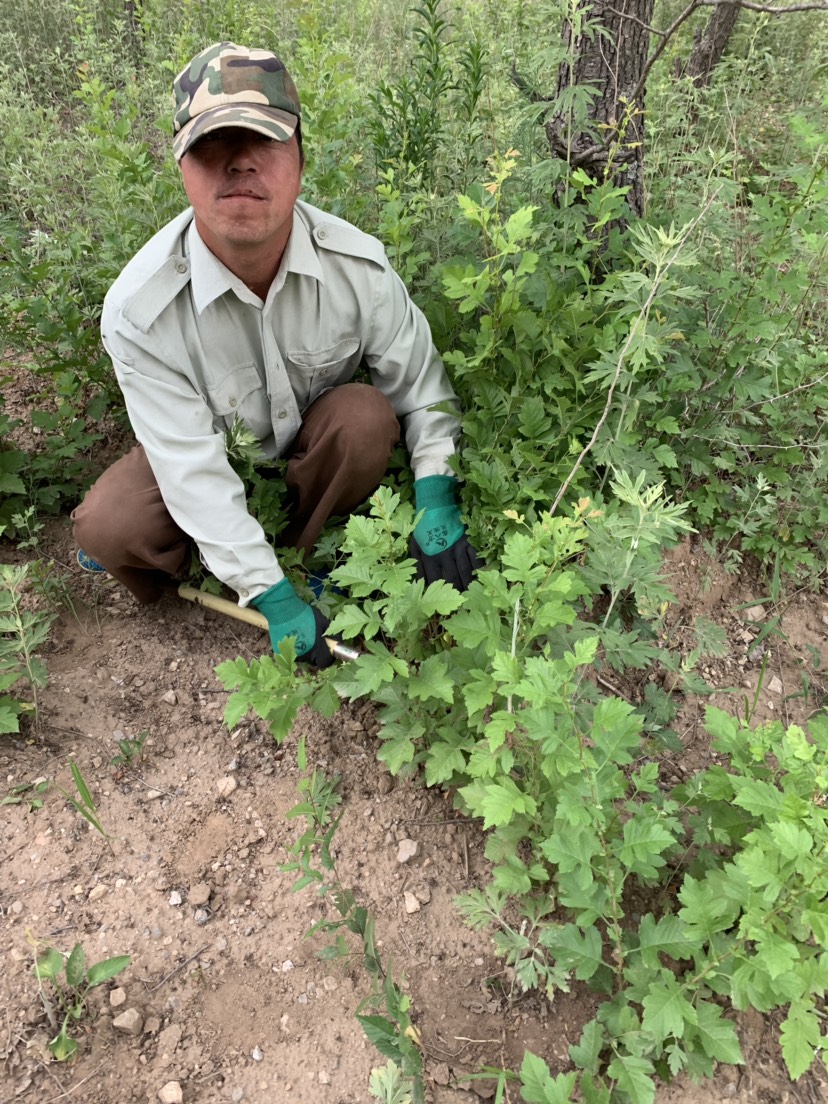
x: 230, y: 999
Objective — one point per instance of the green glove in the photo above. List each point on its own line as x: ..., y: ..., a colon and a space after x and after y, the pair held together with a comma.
x: 439, y: 543
x: 440, y: 526
x: 287, y: 615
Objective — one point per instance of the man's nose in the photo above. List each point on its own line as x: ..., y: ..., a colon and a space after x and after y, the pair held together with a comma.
x: 241, y: 157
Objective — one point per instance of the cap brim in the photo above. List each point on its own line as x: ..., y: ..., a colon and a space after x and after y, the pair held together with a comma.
x: 270, y: 121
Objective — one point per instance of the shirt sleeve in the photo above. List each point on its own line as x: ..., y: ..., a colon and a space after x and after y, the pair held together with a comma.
x: 187, y: 455
x: 406, y: 368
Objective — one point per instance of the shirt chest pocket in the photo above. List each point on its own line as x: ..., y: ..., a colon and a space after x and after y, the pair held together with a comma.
x: 240, y: 393
x: 314, y: 371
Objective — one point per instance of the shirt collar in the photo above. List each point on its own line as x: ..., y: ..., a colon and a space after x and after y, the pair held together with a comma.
x: 209, y: 278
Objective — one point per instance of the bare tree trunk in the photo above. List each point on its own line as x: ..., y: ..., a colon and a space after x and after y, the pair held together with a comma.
x: 709, y: 46
x: 609, y: 55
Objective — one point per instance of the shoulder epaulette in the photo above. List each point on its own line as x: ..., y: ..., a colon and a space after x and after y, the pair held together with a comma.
x: 157, y: 293
x: 339, y: 237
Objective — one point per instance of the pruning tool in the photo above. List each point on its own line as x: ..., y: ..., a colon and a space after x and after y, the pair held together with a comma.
x: 251, y: 616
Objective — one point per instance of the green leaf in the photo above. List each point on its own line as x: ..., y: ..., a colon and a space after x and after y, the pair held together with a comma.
x: 62, y: 1046
x: 441, y: 599
x: 572, y: 849
x: 587, y: 1054
x: 9, y: 714
x: 48, y: 965
x: 717, y: 1035
x: 538, y: 1086
x: 775, y: 954
x: 395, y: 753
x: 325, y: 700
x: 666, y: 1009
x: 501, y: 801
x: 431, y: 682
x: 634, y: 1077
x: 759, y: 798
x: 442, y: 762
x: 800, y: 1036
x: 389, y: 1085
x: 666, y: 936
x: 106, y: 969
x: 80, y: 783
x: 574, y: 948
x: 705, y: 912
x: 383, y: 1034
x: 644, y: 840
x: 76, y: 966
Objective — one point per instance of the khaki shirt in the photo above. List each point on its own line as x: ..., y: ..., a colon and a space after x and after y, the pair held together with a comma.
x: 193, y: 349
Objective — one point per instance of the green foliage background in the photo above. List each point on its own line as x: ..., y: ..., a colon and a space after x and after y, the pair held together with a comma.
x: 617, y: 389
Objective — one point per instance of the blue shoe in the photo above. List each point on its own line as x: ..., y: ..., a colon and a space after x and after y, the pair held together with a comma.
x: 88, y: 564
x: 320, y: 581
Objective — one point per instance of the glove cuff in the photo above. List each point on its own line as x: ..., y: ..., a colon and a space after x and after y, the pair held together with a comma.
x: 287, y: 615
x: 434, y: 492
x: 279, y: 602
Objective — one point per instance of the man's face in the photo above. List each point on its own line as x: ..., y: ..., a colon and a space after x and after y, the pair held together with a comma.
x: 242, y: 187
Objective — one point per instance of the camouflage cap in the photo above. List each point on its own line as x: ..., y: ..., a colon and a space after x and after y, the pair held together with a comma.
x: 229, y: 85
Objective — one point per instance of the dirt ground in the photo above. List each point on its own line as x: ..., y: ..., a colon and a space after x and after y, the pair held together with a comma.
x: 228, y: 998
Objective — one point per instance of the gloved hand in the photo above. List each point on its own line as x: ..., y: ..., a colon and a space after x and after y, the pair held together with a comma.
x: 439, y: 544
x: 287, y: 615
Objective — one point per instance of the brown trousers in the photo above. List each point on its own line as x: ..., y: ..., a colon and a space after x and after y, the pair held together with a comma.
x: 336, y: 461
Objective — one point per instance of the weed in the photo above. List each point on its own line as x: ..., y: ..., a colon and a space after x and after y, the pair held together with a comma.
x: 84, y: 803
x: 64, y: 998
x: 31, y: 793
x: 388, y: 1024
x: 130, y: 750
x: 22, y: 632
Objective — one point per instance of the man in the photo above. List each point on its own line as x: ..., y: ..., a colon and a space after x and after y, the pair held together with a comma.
x: 255, y: 305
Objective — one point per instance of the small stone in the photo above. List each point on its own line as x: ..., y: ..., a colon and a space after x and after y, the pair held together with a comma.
x: 117, y: 998
x: 323, y: 1077
x: 170, y: 698
x: 169, y: 1039
x: 171, y: 1093
x: 286, y: 966
x: 484, y: 1089
x: 17, y: 907
x: 130, y: 1022
x: 441, y: 1074
x: 423, y: 895
x: 256, y: 1054
x: 238, y: 1094
x: 385, y: 784
x: 97, y: 892
x: 775, y: 685
x: 754, y: 613
x: 175, y: 898
x: 199, y: 894
x: 407, y: 849
x: 226, y: 786
x: 152, y: 1025
x: 412, y: 905
x: 153, y: 795
x: 202, y: 917
x: 330, y: 984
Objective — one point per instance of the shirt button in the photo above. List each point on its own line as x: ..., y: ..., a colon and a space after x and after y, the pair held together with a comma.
x: 282, y: 414
x: 243, y: 593
x: 233, y: 402
x: 181, y: 266
x: 324, y: 372
x: 321, y: 234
